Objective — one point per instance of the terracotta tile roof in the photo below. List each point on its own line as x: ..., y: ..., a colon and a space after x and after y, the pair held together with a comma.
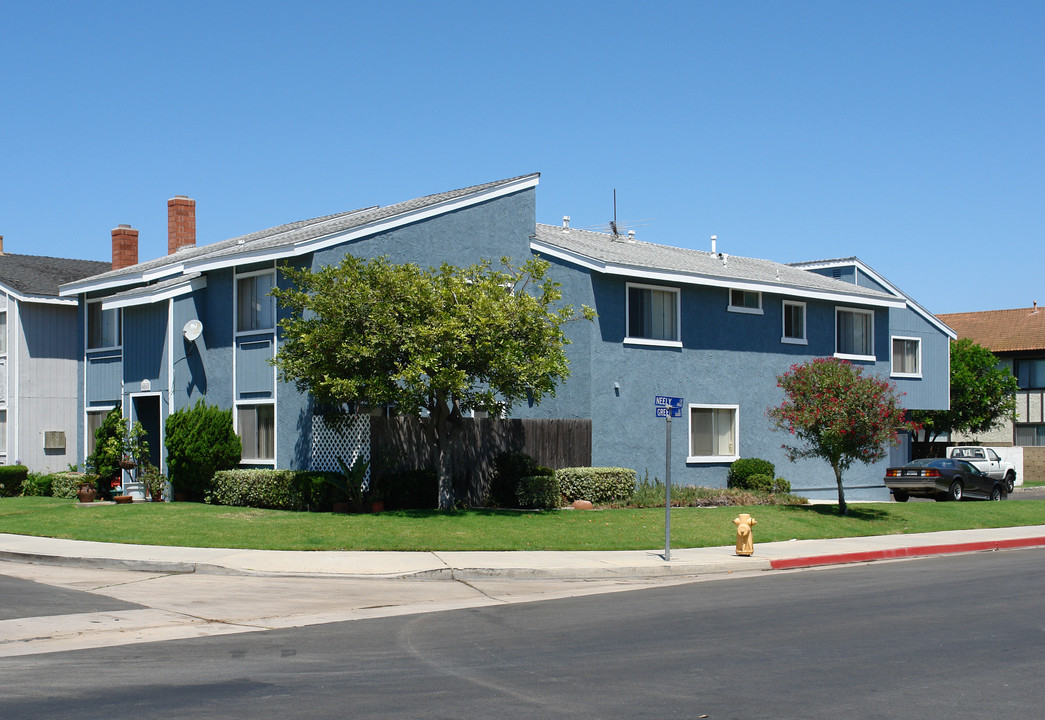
x: 1002, y: 330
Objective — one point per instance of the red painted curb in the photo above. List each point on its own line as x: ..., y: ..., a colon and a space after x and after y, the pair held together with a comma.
x: 904, y: 552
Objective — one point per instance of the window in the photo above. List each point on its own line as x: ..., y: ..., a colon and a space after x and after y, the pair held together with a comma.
x: 3, y: 432
x: 653, y: 315
x: 794, y: 323
x: 1030, y: 373
x: 103, y: 327
x: 95, y: 417
x: 713, y: 433
x: 255, y: 309
x: 257, y: 431
x: 854, y: 334
x: 1030, y: 435
x: 745, y: 301
x: 3, y: 332
x: 907, y: 357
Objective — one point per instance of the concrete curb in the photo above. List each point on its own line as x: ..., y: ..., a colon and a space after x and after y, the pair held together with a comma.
x: 905, y: 552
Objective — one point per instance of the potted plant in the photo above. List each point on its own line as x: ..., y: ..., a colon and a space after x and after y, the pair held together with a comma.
x: 349, y: 484
x: 375, y: 499
x: 155, y: 482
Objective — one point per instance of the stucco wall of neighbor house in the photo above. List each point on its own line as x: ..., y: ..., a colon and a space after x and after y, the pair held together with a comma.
x: 46, y: 385
x: 625, y: 378
x: 491, y: 230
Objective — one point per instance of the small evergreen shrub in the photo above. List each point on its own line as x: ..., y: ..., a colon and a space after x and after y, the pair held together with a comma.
x: 65, y: 484
x: 258, y: 488
x: 508, y: 468
x: 36, y: 485
x: 200, y: 442
x: 316, y: 489
x: 596, y: 484
x: 11, y: 479
x: 539, y: 491
x: 759, y: 483
x: 744, y: 468
x: 781, y: 486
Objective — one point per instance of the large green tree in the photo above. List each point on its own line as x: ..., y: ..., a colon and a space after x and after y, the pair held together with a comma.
x: 983, y: 395
x: 838, y: 414
x: 435, y: 343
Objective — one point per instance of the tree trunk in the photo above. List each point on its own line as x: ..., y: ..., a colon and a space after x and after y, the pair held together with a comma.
x: 447, y: 499
x: 843, y: 509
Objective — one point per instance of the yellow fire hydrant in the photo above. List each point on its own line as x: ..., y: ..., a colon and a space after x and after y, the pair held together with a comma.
x: 745, y: 538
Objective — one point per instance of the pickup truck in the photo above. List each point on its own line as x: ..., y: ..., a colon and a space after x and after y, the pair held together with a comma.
x: 988, y: 462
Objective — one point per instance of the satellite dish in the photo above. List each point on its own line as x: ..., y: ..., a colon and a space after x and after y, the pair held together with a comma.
x: 192, y: 330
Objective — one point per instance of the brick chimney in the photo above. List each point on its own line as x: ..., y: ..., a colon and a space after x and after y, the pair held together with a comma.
x: 181, y: 223
x: 124, y: 247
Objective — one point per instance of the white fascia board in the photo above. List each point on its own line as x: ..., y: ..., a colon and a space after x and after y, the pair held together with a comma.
x: 870, y: 272
x: 668, y: 276
x: 196, y: 283
x: 374, y: 228
x: 37, y: 299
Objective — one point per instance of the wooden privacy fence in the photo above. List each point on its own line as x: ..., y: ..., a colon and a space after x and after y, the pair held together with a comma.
x: 398, y: 443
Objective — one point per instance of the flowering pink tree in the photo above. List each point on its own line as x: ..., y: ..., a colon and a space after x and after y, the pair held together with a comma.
x: 838, y: 414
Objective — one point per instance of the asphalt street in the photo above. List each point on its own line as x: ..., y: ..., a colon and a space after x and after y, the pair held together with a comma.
x: 951, y: 636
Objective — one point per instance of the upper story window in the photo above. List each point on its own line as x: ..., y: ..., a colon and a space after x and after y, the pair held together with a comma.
x: 653, y: 315
x: 255, y: 308
x: 1030, y: 373
x: 103, y: 327
x: 907, y: 357
x: 745, y: 301
x: 854, y: 334
x: 794, y: 323
x: 3, y: 332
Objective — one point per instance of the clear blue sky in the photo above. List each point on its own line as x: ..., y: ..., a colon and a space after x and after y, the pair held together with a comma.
x: 909, y: 134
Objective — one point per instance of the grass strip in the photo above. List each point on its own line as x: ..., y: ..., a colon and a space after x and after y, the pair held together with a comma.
x: 198, y: 525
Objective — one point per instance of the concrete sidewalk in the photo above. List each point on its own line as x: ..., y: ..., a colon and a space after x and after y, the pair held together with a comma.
x: 515, y: 565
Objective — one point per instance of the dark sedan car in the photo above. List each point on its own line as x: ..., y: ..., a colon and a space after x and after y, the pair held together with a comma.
x: 942, y: 479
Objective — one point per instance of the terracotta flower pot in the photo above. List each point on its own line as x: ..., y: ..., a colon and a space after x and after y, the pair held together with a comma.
x: 86, y: 493
x: 123, y: 499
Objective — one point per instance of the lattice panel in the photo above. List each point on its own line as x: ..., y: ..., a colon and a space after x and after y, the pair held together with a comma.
x: 347, y: 438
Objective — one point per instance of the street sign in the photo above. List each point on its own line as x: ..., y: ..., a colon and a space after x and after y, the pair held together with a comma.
x: 668, y: 412
x: 667, y: 401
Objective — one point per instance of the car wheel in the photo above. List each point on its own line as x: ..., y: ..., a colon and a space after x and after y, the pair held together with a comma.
x: 955, y: 493
x: 996, y: 493
x: 900, y: 496
x: 1010, y: 481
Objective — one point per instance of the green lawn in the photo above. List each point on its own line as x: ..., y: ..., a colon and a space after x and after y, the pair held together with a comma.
x: 214, y: 526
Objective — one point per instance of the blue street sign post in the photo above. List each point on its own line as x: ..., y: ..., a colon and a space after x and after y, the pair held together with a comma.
x: 667, y: 407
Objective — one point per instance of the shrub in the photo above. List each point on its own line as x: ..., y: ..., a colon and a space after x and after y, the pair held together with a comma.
x: 781, y: 486
x: 36, y: 485
x: 596, y: 484
x: 508, y: 468
x: 651, y: 495
x: 316, y: 489
x: 410, y: 489
x: 108, y: 439
x: 539, y: 491
x: 759, y: 483
x: 11, y: 479
x: 258, y: 488
x: 742, y: 469
x: 65, y: 484
x: 200, y: 442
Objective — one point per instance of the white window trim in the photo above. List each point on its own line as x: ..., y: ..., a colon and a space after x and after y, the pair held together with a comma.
x: 275, y: 430
x: 804, y: 340
x: 846, y: 356
x: 629, y: 340
x: 741, y: 308
x: 87, y: 329
x: 736, y: 434
x: 918, y: 359
x: 235, y: 302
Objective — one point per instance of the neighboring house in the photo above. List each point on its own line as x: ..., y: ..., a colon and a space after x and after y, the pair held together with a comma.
x: 1017, y: 337
x: 38, y: 360
x: 711, y: 328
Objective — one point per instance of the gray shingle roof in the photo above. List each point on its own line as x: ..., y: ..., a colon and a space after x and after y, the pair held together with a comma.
x: 602, y: 248
x: 40, y: 276
x: 291, y: 234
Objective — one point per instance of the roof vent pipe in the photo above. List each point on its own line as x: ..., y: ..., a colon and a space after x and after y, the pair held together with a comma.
x: 631, y: 236
x: 566, y: 223
x: 714, y: 240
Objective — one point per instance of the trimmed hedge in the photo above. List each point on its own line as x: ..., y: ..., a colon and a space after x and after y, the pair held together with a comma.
x: 259, y: 488
x: 65, y: 484
x: 741, y: 470
x: 596, y: 484
x: 539, y: 491
x: 11, y: 479
x: 759, y: 483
